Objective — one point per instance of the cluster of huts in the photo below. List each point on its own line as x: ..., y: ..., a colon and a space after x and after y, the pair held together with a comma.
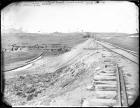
x: 14, y: 48
x: 48, y: 47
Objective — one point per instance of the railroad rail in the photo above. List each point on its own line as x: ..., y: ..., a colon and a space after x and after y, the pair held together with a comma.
x: 123, y: 93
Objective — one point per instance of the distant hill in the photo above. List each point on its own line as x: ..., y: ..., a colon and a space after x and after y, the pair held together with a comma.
x: 11, y: 30
x: 108, y: 34
x: 134, y: 35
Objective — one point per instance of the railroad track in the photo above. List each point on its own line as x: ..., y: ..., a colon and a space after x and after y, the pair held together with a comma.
x: 117, y: 47
x: 109, y: 84
x: 28, y: 63
x: 120, y: 51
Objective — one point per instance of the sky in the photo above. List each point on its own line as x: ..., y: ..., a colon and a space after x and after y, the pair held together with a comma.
x: 120, y: 17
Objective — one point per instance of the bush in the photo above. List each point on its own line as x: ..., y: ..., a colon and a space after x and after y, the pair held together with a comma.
x: 21, y: 94
x: 30, y: 90
x: 30, y: 97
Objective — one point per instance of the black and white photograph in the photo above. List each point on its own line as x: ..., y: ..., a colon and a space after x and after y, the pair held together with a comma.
x: 70, y: 53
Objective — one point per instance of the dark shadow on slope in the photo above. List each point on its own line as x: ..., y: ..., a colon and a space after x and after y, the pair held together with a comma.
x: 4, y: 103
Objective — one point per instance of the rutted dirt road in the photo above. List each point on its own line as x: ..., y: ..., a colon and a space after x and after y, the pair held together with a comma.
x: 85, y: 76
